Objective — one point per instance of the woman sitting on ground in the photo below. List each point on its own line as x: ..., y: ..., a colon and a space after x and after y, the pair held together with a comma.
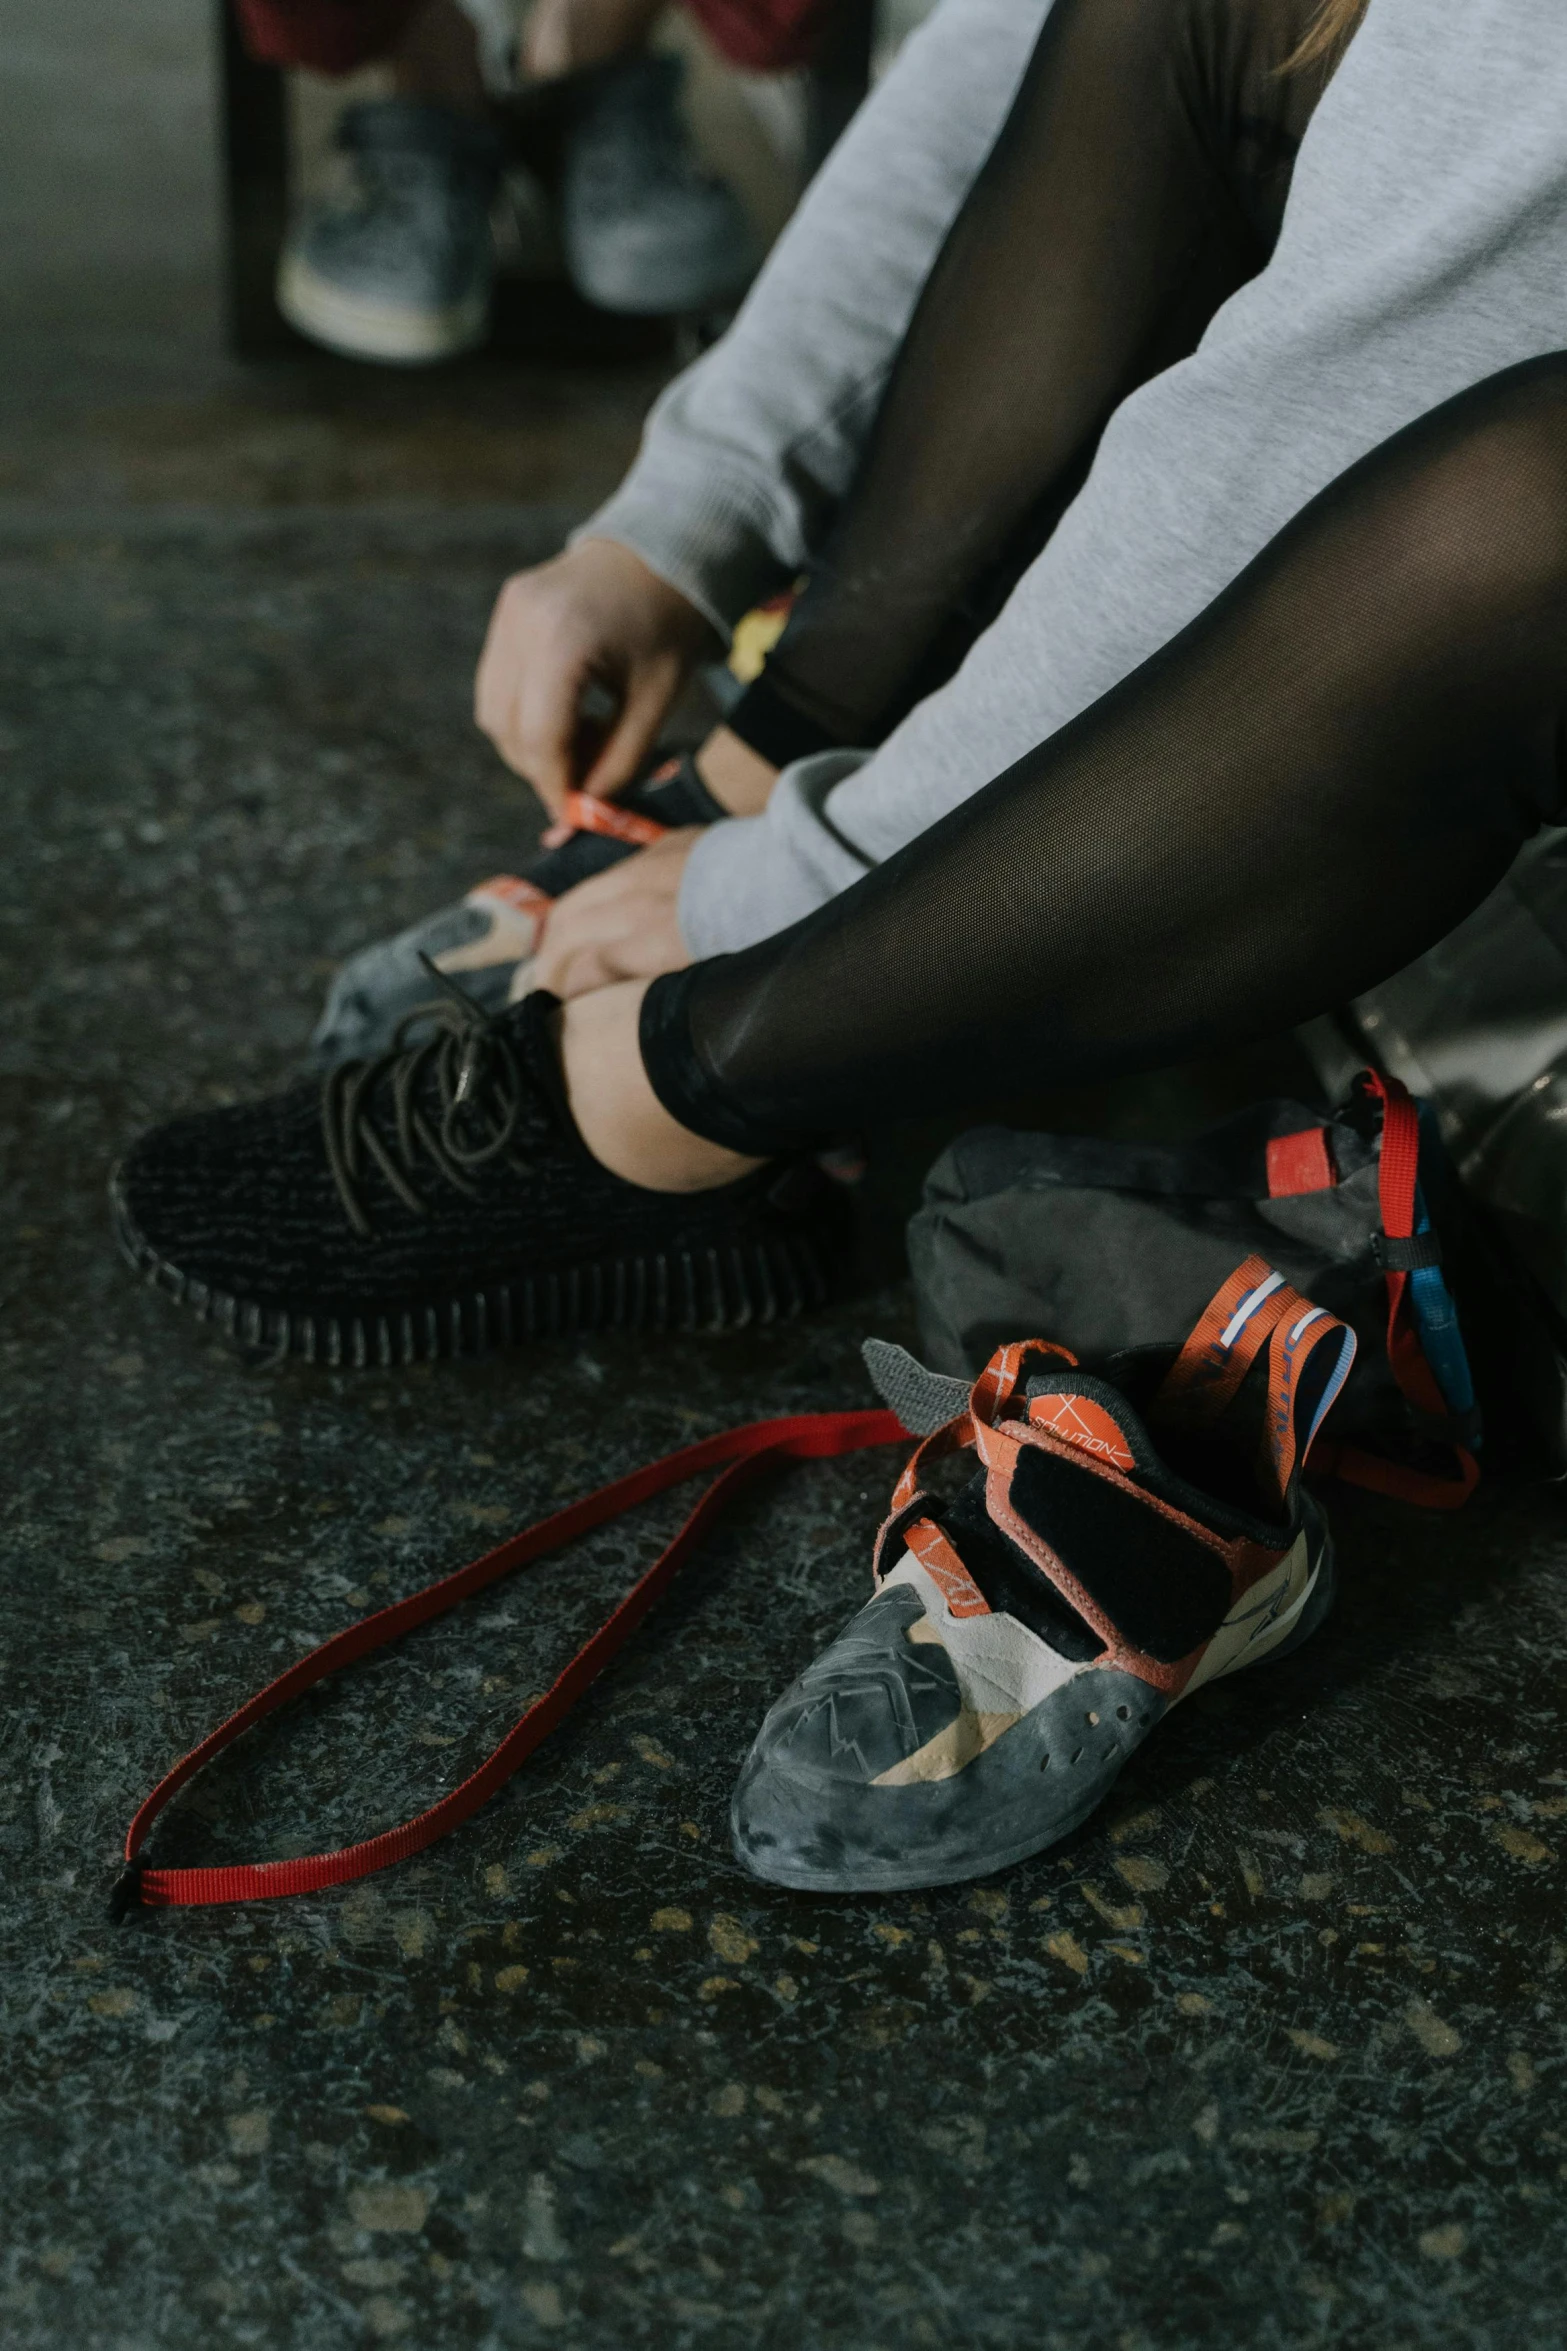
x: 1273, y: 706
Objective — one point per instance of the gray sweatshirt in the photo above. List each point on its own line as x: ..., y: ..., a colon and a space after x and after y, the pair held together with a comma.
x: 1424, y: 247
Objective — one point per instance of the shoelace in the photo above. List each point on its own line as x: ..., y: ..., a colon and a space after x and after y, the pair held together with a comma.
x: 481, y: 1093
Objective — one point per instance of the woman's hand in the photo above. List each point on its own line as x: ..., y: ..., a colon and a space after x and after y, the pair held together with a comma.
x: 594, y: 616
x: 619, y: 925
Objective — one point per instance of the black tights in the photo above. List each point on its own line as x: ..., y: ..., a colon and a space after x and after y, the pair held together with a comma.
x: 1304, y: 789
x: 1139, y: 180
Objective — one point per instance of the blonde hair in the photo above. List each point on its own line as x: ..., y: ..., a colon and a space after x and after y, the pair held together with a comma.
x: 1329, y: 35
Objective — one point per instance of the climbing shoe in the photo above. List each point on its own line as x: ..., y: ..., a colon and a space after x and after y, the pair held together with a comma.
x: 486, y: 941
x: 438, y: 1200
x: 1128, y: 1535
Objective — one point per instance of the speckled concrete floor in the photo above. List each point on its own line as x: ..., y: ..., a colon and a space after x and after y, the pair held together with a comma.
x: 1271, y: 2054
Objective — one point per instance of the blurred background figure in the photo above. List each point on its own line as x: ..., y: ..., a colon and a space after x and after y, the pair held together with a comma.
x: 400, y: 267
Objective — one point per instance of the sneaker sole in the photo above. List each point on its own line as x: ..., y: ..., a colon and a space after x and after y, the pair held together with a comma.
x: 708, y: 1291
x: 1041, y: 1738
x: 357, y: 327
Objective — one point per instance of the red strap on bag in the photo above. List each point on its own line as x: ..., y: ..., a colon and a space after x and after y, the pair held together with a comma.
x: 1397, y: 1175
x: 811, y: 1436
x: 1300, y: 1162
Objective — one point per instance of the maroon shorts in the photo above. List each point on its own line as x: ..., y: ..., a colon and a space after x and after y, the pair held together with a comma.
x: 333, y: 36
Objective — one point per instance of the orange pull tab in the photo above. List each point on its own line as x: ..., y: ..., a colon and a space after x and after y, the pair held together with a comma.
x: 1080, y: 1421
x: 945, y: 1569
x: 1296, y: 1338
x: 997, y: 1384
x: 1257, y: 1308
x: 1226, y: 1342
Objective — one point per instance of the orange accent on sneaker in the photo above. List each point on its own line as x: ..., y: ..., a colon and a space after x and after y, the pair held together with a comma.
x: 1296, y: 1338
x: 515, y: 913
x: 585, y: 815
x: 1084, y: 1423
x: 523, y: 897
x: 945, y: 1569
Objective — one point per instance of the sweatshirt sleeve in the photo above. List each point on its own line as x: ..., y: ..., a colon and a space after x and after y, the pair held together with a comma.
x: 753, y: 875
x: 746, y: 453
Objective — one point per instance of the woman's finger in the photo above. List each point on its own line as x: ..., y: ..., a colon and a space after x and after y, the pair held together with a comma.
x: 623, y: 751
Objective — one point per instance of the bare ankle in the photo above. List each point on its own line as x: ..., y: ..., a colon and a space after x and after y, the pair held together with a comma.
x: 618, y: 1115
x: 738, y: 777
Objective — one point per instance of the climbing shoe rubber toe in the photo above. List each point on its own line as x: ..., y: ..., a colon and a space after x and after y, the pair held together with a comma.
x: 1129, y: 1534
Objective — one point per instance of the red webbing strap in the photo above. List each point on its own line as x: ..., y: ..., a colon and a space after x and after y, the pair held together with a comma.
x: 1398, y: 1170
x: 810, y: 1436
x: 1397, y: 1175
x: 1355, y: 1468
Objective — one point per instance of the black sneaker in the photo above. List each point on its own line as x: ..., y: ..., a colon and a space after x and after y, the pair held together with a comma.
x: 439, y: 1200
x: 487, y: 940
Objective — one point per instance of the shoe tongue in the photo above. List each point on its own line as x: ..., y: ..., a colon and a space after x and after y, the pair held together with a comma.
x: 1089, y: 1414
x: 531, y: 1026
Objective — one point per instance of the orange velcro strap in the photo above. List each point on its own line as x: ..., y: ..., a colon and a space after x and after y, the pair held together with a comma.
x: 996, y: 1387
x: 1228, y: 1337
x: 945, y: 1569
x: 1257, y: 1307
